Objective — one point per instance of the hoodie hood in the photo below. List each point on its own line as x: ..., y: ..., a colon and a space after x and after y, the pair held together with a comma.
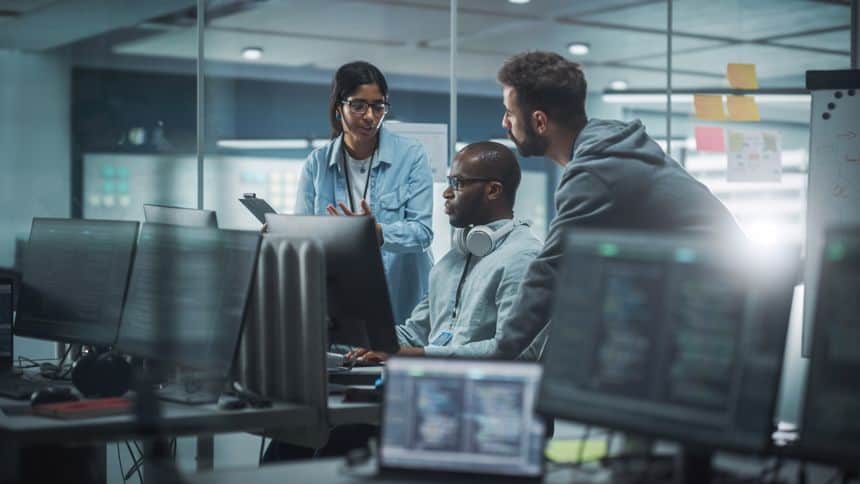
x: 617, y: 139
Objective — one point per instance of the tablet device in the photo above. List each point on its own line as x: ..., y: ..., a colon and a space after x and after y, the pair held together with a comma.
x: 257, y: 206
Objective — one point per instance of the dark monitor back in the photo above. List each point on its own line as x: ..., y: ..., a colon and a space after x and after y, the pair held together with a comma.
x: 187, y: 217
x: 74, y: 279
x: 188, y: 294
x: 358, y: 300
x: 7, y: 295
x: 668, y: 337
x: 830, y: 427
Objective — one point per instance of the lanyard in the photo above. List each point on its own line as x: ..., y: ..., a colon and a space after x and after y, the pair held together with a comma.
x: 346, y: 173
x: 460, y: 286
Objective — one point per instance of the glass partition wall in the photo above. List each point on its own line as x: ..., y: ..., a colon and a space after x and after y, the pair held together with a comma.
x: 104, y: 110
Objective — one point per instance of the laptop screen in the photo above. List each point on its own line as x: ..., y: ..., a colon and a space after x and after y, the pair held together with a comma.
x: 462, y: 416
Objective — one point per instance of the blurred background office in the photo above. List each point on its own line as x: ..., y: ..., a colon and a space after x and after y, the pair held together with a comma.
x: 107, y: 105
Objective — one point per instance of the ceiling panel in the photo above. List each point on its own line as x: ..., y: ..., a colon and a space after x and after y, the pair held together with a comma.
x: 771, y: 62
x: 353, y: 19
x: 741, y: 19
x: 22, y: 6
x: 840, y: 40
x: 324, y: 54
x: 606, y: 45
x: 535, y: 8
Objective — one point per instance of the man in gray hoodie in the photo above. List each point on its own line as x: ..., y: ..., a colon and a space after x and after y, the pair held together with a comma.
x: 615, y: 177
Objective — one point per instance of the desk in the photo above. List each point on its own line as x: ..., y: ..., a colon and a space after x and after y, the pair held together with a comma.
x: 360, y: 375
x: 17, y: 432
x: 331, y: 471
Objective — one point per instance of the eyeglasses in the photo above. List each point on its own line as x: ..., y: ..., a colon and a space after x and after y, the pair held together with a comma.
x: 456, y: 182
x: 359, y: 106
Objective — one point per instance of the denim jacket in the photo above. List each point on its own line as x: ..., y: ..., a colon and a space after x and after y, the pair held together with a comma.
x: 401, y: 199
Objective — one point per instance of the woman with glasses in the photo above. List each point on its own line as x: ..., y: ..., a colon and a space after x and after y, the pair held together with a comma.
x: 368, y: 170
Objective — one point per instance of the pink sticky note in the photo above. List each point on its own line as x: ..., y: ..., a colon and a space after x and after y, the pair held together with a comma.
x: 710, y: 138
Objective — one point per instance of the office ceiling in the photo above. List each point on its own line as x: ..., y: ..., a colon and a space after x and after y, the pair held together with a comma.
x: 410, y: 38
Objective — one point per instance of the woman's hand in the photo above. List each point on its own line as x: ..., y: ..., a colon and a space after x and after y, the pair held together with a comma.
x: 346, y: 212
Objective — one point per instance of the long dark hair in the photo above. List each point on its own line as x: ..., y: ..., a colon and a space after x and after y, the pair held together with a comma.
x: 346, y: 80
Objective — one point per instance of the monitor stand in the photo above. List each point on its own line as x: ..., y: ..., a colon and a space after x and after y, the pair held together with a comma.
x: 193, y: 387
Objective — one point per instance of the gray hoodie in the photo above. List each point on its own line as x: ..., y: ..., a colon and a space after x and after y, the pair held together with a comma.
x: 618, y: 178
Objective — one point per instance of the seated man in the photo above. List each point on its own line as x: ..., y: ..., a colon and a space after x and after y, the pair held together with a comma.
x: 474, y: 284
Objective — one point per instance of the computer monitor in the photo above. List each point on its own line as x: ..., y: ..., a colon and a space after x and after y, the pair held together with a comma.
x: 830, y: 427
x: 474, y: 416
x: 74, y: 279
x: 187, y: 296
x: 359, y: 305
x: 670, y: 337
x: 187, y: 217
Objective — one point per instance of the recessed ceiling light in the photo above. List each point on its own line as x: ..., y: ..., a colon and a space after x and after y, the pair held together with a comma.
x: 519, y: 2
x: 252, y: 53
x: 578, y: 48
x: 618, y: 85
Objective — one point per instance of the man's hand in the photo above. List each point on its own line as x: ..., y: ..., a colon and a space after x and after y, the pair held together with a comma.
x: 364, y: 355
x: 411, y: 351
x: 346, y: 212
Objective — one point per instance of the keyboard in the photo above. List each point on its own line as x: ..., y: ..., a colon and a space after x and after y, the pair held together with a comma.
x: 18, y: 388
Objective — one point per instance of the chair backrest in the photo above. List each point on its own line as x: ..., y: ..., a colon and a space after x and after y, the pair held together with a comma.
x: 283, y: 350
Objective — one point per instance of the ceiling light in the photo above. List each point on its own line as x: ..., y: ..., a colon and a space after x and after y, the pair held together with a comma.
x: 252, y: 53
x: 519, y: 2
x: 618, y: 85
x: 578, y: 48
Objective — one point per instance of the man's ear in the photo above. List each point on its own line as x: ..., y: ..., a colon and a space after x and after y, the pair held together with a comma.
x: 540, y: 122
x: 494, y: 190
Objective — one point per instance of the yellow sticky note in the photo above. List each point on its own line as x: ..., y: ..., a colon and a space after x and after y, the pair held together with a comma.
x: 742, y: 108
x: 709, y: 108
x: 568, y: 451
x: 742, y: 76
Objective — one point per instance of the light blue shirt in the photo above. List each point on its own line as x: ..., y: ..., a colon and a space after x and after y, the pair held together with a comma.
x: 487, y: 297
x: 401, y: 199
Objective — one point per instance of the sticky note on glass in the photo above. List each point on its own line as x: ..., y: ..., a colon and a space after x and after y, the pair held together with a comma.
x: 710, y: 138
x: 742, y: 108
x: 742, y: 76
x: 709, y: 108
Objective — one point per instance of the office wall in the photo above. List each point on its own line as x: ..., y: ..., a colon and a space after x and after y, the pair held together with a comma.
x: 34, y: 154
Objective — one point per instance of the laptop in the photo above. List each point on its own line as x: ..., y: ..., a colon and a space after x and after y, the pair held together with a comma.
x: 463, y: 417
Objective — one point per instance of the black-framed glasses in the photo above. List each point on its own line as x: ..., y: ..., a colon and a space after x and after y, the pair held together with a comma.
x: 360, y: 106
x: 456, y: 182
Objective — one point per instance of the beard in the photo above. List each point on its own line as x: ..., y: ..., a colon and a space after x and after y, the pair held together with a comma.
x: 532, y: 143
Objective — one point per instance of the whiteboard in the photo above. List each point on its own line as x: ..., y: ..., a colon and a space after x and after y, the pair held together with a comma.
x: 833, y: 196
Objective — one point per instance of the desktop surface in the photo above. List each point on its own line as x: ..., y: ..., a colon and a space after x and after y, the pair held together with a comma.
x: 75, y: 274
x: 187, y: 295
x: 668, y: 337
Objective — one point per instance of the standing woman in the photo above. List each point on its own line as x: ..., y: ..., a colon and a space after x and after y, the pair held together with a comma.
x: 368, y: 170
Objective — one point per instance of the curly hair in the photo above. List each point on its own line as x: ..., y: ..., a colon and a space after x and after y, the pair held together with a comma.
x: 546, y: 81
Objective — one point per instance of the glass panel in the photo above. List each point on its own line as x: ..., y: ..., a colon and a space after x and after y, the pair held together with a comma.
x: 757, y: 168
x: 597, y: 34
x: 269, y: 67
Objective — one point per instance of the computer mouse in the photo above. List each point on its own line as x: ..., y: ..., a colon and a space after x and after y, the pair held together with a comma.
x: 52, y: 395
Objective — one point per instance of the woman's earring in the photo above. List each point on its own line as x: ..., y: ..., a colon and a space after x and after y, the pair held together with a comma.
x: 337, y: 115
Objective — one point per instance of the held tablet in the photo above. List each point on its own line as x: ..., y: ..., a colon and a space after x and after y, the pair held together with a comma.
x: 257, y: 206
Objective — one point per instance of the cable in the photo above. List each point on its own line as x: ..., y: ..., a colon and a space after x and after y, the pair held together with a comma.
x: 262, y: 449
x: 119, y: 460
x: 137, y: 464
